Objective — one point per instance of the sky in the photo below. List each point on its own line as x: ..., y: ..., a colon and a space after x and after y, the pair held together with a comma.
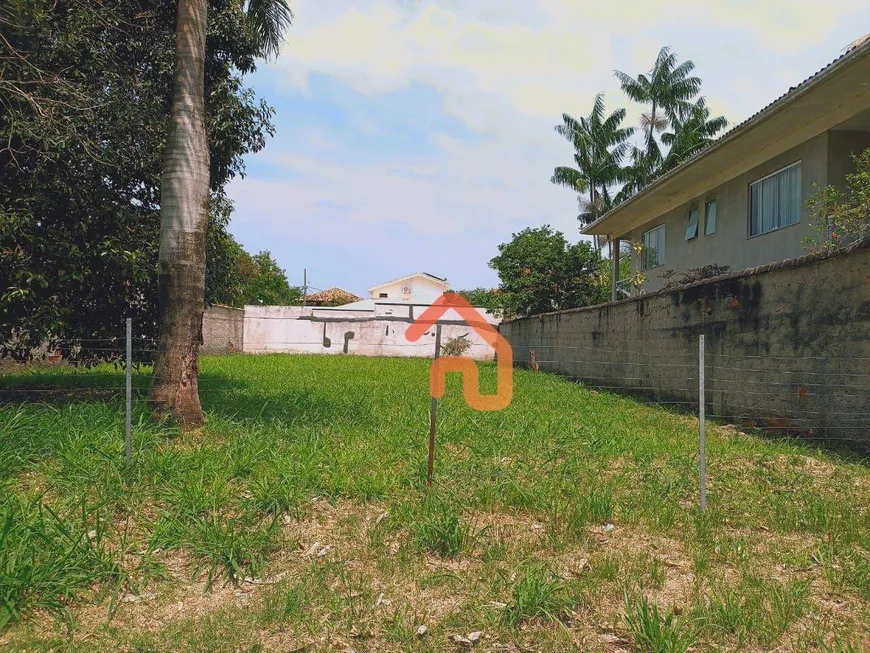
x: 418, y: 135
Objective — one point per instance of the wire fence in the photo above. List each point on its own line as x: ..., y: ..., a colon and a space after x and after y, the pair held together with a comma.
x: 820, y: 399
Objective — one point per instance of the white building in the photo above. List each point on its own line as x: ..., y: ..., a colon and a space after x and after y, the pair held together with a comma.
x: 370, y: 327
x: 417, y: 288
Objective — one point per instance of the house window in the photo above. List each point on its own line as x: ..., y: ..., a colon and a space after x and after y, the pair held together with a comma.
x: 775, y: 201
x: 383, y: 295
x: 710, y: 218
x: 653, y: 248
x: 692, y: 229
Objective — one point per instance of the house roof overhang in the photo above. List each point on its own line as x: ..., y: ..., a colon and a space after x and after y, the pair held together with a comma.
x: 830, y: 97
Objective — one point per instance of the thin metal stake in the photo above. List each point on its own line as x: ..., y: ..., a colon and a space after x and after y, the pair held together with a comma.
x: 129, y: 438
x: 702, y: 460
x: 433, y: 415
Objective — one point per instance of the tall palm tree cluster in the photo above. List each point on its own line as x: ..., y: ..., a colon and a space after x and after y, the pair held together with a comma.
x: 676, y: 126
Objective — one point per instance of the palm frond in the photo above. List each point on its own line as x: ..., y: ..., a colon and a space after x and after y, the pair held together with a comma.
x: 597, y: 109
x: 269, y: 21
x: 569, y: 178
x: 682, y: 71
x: 570, y: 128
x: 632, y: 87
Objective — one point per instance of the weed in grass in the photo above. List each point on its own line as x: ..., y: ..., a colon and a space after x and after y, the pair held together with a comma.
x: 785, y: 603
x: 236, y: 546
x: 442, y: 531
x: 537, y: 594
x: 852, y: 571
x: 758, y: 610
x: 732, y: 614
x: 599, y: 505
x: 201, y: 493
x: 655, y: 632
x: 568, y: 519
x: 48, y: 559
x: 838, y: 646
x: 567, y: 524
x: 288, y: 602
x: 277, y: 494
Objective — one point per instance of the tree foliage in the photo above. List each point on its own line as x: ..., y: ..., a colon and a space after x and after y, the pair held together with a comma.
x: 676, y: 125
x: 540, y: 271
x: 600, y: 144
x: 264, y: 282
x: 670, y: 92
x: 840, y: 217
x: 487, y: 298
x: 84, y: 102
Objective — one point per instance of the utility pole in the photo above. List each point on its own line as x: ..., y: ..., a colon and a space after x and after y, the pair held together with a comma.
x: 304, y: 285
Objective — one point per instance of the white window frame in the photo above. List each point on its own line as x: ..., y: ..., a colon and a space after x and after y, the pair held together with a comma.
x: 660, y: 251
x: 798, y: 164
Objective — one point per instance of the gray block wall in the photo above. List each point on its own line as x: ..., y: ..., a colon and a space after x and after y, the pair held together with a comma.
x: 223, y: 329
x: 788, y: 345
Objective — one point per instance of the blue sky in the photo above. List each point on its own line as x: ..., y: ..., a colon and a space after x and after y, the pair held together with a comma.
x: 418, y: 135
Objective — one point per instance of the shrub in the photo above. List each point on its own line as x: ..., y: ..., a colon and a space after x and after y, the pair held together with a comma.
x: 457, y: 346
x: 841, y: 217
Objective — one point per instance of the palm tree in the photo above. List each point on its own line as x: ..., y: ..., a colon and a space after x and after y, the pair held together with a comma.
x: 693, y: 130
x: 599, y: 147
x: 668, y: 89
x: 184, y: 205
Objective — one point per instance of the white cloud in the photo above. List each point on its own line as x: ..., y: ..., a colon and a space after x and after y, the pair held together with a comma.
x: 543, y: 57
x: 507, y: 70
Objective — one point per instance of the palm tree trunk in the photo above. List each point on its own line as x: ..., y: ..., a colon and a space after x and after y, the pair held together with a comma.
x: 594, y: 216
x: 183, y: 223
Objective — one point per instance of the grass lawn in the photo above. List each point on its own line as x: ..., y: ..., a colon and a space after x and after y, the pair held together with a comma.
x: 299, y: 520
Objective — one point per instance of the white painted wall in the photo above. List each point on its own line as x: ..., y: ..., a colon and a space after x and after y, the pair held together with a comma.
x: 296, y: 329
x: 424, y: 290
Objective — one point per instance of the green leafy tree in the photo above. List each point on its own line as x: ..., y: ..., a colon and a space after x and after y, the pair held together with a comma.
x: 488, y: 298
x: 600, y: 143
x: 85, y: 92
x: 540, y: 271
x: 264, y: 282
x: 841, y: 216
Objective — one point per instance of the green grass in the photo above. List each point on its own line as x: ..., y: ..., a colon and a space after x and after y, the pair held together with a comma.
x: 300, y: 516
x: 654, y: 632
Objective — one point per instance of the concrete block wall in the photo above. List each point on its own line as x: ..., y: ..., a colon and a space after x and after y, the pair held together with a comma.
x: 788, y: 345
x: 223, y: 330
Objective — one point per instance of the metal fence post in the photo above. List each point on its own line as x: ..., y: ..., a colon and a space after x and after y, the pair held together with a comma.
x: 129, y: 423
x: 702, y: 459
x: 433, y: 415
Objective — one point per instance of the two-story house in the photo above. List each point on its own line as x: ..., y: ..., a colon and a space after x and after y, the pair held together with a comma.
x: 741, y: 202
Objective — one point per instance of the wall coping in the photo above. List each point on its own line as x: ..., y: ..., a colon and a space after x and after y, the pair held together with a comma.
x: 229, y: 308
x: 785, y: 264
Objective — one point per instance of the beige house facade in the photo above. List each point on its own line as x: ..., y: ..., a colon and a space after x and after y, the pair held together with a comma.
x: 420, y: 287
x: 742, y: 201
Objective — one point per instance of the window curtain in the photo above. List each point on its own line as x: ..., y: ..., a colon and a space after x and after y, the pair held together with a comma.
x: 775, y: 202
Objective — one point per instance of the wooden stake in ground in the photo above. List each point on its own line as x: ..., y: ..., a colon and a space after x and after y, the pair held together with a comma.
x: 433, y: 415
